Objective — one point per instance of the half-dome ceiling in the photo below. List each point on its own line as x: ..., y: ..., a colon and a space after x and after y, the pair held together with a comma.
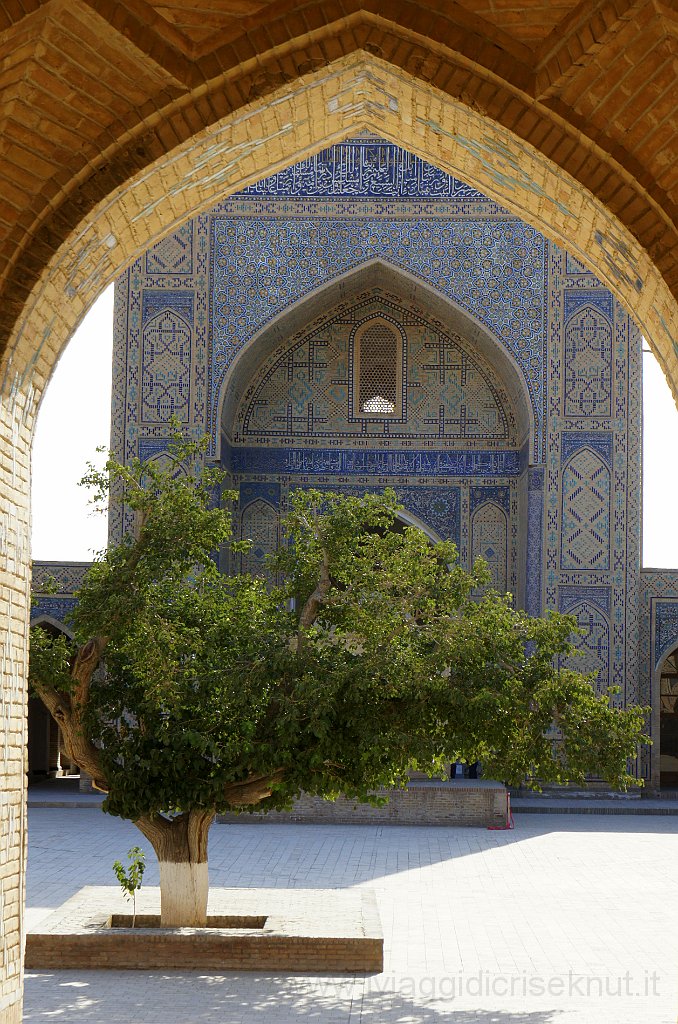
x: 373, y: 370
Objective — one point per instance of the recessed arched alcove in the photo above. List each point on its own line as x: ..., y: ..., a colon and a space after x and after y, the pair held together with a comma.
x: 668, y: 720
x: 377, y: 276
x: 454, y: 442
x: 46, y: 757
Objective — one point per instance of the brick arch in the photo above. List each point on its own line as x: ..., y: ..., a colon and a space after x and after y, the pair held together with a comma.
x: 192, y: 84
x: 95, y: 221
x: 356, y: 92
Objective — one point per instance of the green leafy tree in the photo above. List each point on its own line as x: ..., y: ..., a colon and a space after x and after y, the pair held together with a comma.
x: 373, y: 656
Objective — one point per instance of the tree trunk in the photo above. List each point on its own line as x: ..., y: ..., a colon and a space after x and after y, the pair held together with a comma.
x: 181, y: 847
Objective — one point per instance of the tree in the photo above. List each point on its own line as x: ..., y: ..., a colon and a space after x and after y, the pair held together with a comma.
x: 376, y: 653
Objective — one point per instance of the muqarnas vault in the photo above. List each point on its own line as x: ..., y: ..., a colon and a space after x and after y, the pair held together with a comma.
x: 363, y: 320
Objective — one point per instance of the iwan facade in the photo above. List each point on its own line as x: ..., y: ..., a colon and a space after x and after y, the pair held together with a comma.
x: 363, y: 320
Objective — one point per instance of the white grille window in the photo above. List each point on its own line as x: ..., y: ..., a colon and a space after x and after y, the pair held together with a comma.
x: 378, y: 358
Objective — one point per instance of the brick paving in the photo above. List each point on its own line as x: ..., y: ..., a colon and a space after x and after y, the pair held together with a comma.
x: 565, y: 920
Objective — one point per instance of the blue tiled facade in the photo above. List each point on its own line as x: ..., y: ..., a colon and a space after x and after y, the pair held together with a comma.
x: 515, y: 428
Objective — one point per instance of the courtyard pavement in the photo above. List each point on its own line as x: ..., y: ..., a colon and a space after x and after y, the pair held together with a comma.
x: 567, y: 919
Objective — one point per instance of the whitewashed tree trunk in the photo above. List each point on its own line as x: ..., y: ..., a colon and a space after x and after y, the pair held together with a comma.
x: 183, y: 894
x: 180, y: 845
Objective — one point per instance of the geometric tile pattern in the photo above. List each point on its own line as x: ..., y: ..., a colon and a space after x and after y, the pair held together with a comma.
x: 666, y: 628
x: 586, y: 513
x: 437, y: 508
x: 593, y: 644
x: 173, y: 255
x: 167, y: 367
x: 57, y: 609
x: 494, y: 270
x: 588, y: 363
x: 499, y: 494
x: 489, y: 541
x: 63, y: 579
x: 268, y: 490
x: 534, y: 541
x: 569, y: 597
x: 448, y: 392
x: 258, y: 523
x: 658, y: 590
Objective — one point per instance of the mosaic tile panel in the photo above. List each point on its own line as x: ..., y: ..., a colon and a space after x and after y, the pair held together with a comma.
x: 593, y: 644
x: 66, y: 576
x: 499, y: 495
x: 588, y: 363
x: 362, y: 168
x: 658, y: 587
x: 258, y: 523
x: 348, y: 462
x: 173, y: 255
x: 437, y: 508
x: 490, y: 542
x: 655, y: 585
x: 534, y: 541
x: 492, y: 269
x: 666, y: 629
x: 267, y: 491
x: 57, y: 609
x: 600, y: 442
x: 586, y: 513
x: 570, y: 597
x: 166, y: 358
x: 308, y: 390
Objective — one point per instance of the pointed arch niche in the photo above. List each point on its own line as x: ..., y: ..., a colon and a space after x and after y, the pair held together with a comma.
x: 374, y: 286
x: 377, y: 380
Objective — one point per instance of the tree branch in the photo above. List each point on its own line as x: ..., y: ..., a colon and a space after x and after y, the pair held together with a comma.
x: 253, y: 789
x: 312, y: 606
x: 67, y: 710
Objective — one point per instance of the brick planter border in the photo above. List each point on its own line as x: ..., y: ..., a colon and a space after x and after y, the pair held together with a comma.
x: 324, y: 930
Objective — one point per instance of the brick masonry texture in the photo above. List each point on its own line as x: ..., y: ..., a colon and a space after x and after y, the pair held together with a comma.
x: 451, y: 803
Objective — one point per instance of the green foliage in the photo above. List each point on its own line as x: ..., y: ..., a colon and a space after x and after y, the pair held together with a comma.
x: 130, y: 879
x: 51, y: 657
x: 373, y: 656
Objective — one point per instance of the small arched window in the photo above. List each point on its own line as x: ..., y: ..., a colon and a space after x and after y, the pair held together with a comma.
x: 378, y: 357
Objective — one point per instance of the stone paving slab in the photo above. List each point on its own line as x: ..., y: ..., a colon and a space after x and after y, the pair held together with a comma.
x: 326, y: 930
x: 564, y: 920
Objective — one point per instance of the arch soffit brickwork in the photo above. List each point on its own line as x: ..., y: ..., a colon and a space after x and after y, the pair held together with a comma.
x: 356, y: 92
x: 183, y: 85
x: 382, y: 275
